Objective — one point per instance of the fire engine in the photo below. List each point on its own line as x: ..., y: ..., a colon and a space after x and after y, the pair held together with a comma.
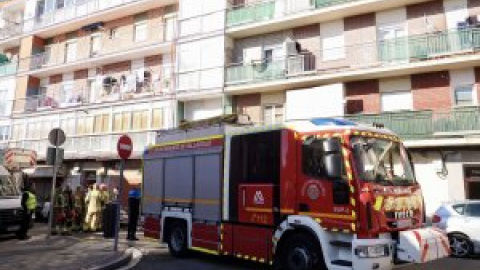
x: 310, y: 194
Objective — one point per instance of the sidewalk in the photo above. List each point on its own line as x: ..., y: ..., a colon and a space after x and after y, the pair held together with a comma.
x: 78, y: 252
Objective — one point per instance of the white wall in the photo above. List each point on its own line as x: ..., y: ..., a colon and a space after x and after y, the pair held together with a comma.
x: 201, y: 109
x: 324, y: 101
x: 201, y: 16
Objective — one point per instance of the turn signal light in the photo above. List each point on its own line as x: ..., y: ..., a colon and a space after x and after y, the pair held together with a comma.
x: 436, y: 219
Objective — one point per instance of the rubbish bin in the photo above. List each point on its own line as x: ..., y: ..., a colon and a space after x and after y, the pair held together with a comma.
x: 108, y: 220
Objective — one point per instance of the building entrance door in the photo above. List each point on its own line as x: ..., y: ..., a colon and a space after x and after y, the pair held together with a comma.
x: 472, y: 183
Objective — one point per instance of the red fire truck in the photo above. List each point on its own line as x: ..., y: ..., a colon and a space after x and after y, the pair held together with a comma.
x: 316, y: 194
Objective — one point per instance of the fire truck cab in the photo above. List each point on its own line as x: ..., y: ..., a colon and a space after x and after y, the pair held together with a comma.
x: 316, y: 194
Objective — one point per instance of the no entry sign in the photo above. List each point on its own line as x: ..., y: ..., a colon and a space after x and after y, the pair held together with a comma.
x: 124, y: 147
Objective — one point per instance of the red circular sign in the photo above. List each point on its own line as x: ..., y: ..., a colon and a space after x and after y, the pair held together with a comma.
x: 124, y: 147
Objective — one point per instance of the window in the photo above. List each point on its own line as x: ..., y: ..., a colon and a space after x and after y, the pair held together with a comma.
x: 3, y: 102
x: 473, y: 210
x: 333, y: 40
x: 157, y: 118
x: 273, y: 114
x: 255, y: 158
x: 459, y: 208
x: 4, y: 133
x: 60, y: 4
x: 114, y: 33
x: 71, y: 51
x: 121, y: 121
x: 141, y: 31
x: 95, y: 45
x: 464, y: 95
x: 312, y: 158
x: 268, y: 55
x: 140, y: 120
x: 85, y: 125
x: 68, y: 125
x: 40, y: 10
x: 102, y: 123
x: 18, y: 132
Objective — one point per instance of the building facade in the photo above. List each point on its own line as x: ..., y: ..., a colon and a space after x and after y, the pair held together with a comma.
x: 101, y: 68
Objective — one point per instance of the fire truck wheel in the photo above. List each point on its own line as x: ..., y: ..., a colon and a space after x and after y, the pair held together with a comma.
x: 177, y: 242
x: 299, y: 252
x: 460, y: 245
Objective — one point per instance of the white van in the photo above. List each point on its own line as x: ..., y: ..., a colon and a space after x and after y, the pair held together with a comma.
x: 10, y: 203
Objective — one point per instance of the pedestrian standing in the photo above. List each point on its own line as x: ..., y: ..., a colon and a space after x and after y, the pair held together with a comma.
x: 93, y: 209
x: 79, y: 213
x: 58, y: 224
x: 29, y: 203
x: 69, y: 208
x: 133, y: 213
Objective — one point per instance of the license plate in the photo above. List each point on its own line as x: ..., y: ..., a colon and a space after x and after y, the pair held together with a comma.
x: 13, y: 228
x: 404, y: 223
x: 376, y: 251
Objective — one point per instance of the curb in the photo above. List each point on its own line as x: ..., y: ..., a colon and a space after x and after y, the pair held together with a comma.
x: 116, y: 263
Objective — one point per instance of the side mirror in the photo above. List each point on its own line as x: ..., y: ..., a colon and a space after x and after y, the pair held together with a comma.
x: 333, y: 159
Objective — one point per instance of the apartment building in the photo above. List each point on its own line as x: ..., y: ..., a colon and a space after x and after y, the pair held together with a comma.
x: 95, y: 68
x: 413, y: 65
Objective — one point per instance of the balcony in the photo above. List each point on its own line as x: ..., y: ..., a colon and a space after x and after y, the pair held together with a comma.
x: 421, y: 53
x: 91, y: 146
x: 8, y: 69
x: 10, y: 29
x: 59, y: 58
x: 117, y: 91
x: 418, y: 125
x: 76, y: 15
x: 266, y: 16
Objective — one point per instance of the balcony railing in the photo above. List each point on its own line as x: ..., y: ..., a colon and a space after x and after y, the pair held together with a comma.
x: 426, y: 124
x: 60, y: 54
x: 10, y: 29
x: 76, y: 10
x: 266, y: 10
x: 8, y: 69
x: 392, y: 52
x: 98, y: 95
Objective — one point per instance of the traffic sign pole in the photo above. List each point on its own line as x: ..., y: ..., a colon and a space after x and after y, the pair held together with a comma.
x: 57, y: 138
x: 124, y: 149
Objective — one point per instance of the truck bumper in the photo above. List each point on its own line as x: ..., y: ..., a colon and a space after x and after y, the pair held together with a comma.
x: 372, y: 254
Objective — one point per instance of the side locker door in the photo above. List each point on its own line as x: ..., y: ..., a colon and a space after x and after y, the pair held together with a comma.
x: 255, y: 178
x: 152, y: 195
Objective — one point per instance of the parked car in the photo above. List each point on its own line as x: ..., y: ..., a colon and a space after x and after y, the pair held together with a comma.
x: 461, y: 222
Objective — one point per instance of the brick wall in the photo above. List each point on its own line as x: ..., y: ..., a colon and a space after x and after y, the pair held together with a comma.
x: 431, y: 91
x: 362, y: 97
x: 250, y: 105
x: 416, y: 17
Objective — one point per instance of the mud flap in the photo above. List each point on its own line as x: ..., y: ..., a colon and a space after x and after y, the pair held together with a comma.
x: 422, y: 245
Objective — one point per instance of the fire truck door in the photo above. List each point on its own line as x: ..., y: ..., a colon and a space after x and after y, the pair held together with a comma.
x: 256, y: 204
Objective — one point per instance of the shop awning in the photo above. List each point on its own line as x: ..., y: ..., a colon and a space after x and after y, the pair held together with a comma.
x: 41, y: 172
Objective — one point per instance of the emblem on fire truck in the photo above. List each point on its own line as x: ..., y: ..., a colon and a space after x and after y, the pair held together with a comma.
x: 258, y: 198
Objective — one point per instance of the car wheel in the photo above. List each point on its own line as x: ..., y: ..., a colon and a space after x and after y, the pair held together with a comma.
x: 460, y: 245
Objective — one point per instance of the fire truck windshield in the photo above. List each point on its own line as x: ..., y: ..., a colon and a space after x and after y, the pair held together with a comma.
x: 7, y: 187
x: 382, y: 161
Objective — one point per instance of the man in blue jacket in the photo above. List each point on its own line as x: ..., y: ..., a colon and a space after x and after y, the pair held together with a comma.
x: 133, y: 213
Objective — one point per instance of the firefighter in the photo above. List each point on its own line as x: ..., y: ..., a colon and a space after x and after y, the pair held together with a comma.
x: 58, y: 212
x: 29, y: 203
x: 133, y: 213
x: 69, y: 208
x: 79, y: 213
x: 104, y: 199
x: 93, y: 209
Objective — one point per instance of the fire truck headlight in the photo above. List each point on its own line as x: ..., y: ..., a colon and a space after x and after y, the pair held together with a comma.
x: 372, y: 251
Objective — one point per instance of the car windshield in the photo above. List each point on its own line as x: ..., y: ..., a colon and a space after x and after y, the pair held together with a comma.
x: 382, y: 161
x: 7, y: 187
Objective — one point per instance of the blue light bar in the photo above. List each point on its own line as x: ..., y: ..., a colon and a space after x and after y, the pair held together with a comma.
x: 332, y: 122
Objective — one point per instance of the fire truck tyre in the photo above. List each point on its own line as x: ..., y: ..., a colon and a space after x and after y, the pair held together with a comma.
x: 177, y: 242
x: 299, y: 252
x: 460, y: 245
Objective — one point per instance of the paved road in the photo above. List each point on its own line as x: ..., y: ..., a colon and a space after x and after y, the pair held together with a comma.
x: 160, y: 259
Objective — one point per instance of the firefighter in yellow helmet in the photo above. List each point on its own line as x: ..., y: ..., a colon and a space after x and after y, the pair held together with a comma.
x: 59, y: 218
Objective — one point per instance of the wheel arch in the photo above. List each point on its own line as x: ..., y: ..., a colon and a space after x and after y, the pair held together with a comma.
x: 168, y: 218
